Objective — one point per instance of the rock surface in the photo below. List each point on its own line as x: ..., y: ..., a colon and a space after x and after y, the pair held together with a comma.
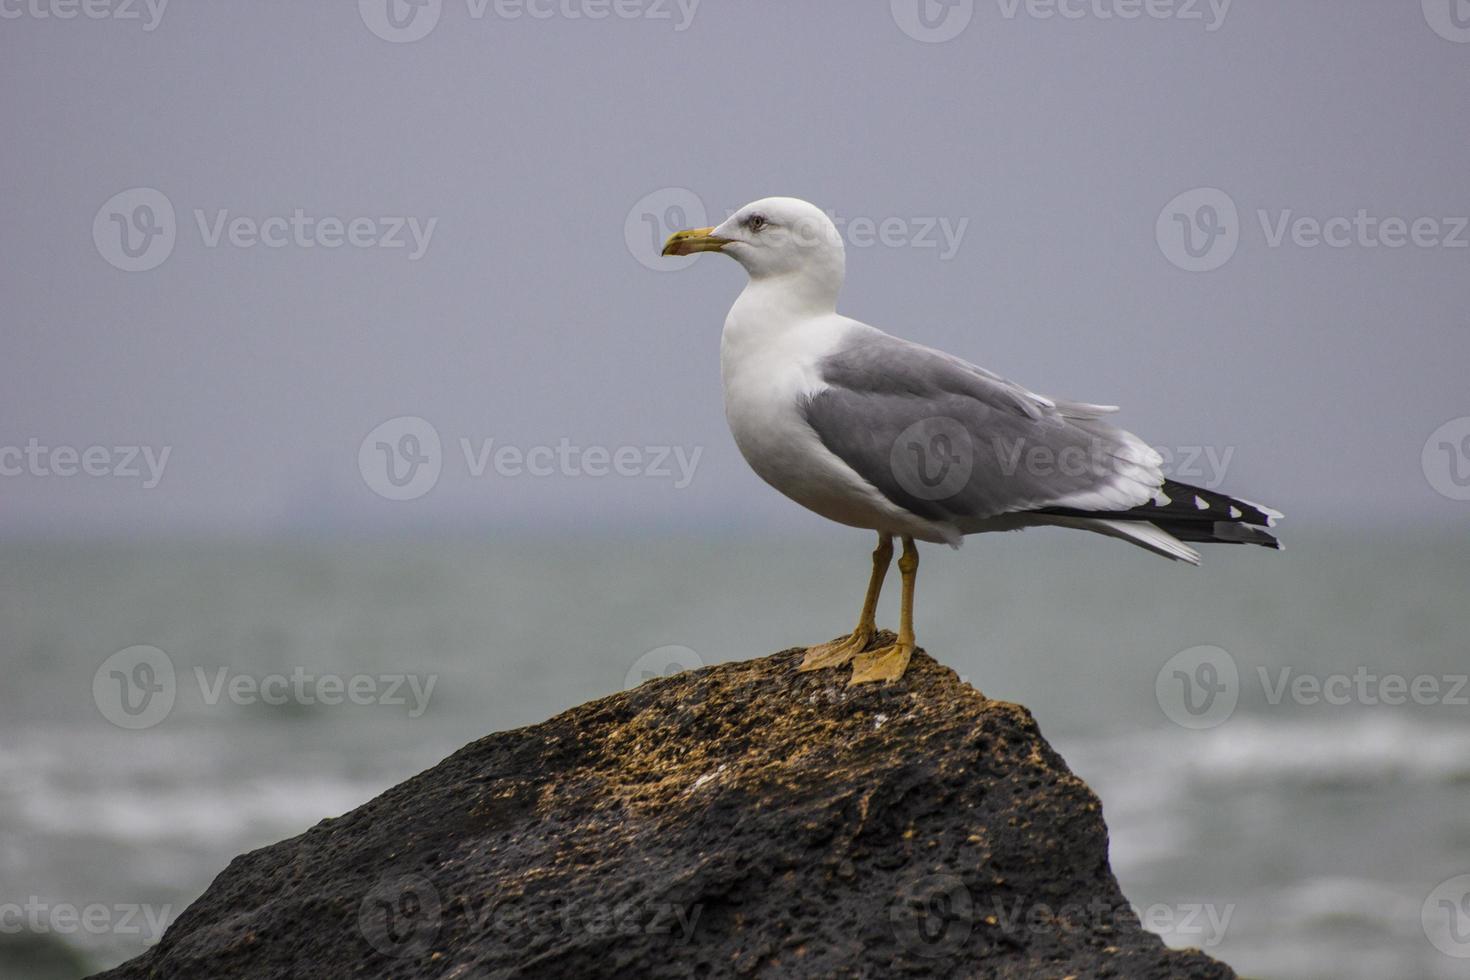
x: 738, y: 820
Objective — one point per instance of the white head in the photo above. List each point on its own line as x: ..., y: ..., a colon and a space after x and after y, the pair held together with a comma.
x: 776, y: 238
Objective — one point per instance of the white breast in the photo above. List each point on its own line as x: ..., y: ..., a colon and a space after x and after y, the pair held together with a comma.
x: 769, y: 365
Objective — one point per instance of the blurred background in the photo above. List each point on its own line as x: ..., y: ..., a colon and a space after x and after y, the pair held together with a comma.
x: 348, y: 414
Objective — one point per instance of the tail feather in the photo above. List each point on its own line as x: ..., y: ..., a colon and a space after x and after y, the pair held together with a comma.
x: 1141, y: 533
x: 1220, y: 532
x: 1180, y: 512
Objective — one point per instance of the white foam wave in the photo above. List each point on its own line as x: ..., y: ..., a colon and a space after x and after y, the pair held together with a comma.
x: 1364, y: 747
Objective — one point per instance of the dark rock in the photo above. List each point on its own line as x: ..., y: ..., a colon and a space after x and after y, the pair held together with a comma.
x: 739, y: 820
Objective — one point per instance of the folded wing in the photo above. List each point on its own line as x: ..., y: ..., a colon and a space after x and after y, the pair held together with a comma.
x: 953, y: 442
x: 958, y: 445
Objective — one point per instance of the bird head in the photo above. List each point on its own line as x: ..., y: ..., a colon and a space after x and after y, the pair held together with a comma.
x: 775, y: 236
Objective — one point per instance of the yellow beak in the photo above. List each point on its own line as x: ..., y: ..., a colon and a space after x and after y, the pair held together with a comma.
x: 693, y: 240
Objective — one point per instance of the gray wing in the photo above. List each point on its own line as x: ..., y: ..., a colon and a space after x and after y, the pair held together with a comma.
x: 953, y: 442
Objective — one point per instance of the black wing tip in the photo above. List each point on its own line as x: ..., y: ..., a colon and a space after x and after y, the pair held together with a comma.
x: 1220, y: 532
x: 1182, y: 501
x: 1197, y: 515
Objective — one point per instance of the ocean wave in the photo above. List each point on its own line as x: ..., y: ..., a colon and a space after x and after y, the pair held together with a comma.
x: 184, y: 788
x: 208, y: 814
x: 1355, y: 749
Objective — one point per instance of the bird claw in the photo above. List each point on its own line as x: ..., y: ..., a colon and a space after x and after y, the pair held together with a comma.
x: 883, y: 664
x: 838, y: 652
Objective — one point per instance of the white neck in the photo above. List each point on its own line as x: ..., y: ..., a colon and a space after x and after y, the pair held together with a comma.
x: 781, y: 313
x: 773, y: 333
x: 802, y: 279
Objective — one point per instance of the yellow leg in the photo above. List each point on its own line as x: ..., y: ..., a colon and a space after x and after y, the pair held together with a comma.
x: 889, y: 663
x: 839, y: 652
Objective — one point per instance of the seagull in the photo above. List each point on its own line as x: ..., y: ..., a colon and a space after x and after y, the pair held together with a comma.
x: 872, y: 431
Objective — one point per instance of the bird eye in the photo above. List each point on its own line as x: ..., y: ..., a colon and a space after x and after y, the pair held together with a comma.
x: 755, y: 222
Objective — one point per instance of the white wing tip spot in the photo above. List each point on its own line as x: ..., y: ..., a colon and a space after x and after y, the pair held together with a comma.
x: 1236, y: 512
x: 1200, y: 503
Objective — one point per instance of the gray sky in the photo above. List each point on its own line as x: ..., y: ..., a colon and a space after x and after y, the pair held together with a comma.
x: 1045, y: 147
